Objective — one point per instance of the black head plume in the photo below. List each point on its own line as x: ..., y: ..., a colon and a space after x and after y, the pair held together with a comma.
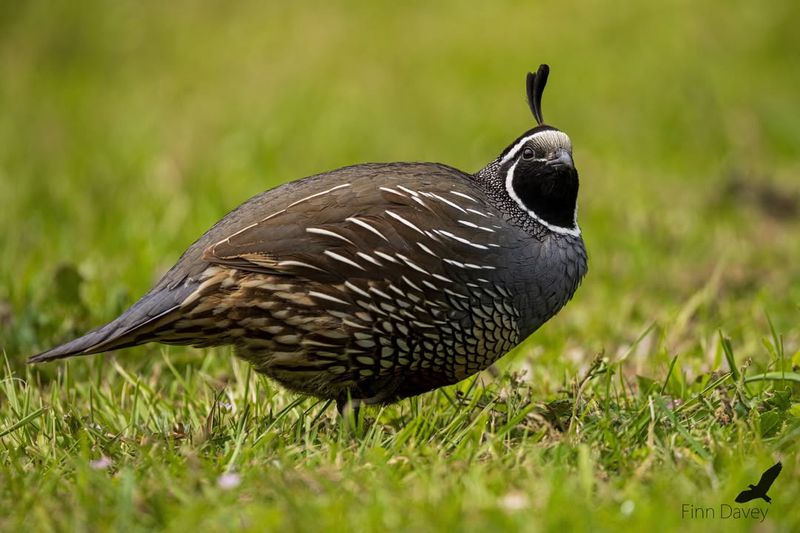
x: 535, y: 84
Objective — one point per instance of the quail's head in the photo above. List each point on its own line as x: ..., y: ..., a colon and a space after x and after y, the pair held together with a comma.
x: 537, y: 170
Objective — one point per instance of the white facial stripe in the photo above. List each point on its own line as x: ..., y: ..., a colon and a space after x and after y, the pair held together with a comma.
x: 513, y: 152
x: 544, y: 138
x: 575, y: 232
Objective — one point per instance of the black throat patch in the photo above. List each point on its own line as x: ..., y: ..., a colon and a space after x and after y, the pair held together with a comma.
x: 549, y: 192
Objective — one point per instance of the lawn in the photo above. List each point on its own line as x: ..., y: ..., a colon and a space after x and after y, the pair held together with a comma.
x: 668, y: 384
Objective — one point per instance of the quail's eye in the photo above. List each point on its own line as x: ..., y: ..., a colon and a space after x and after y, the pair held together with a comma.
x: 527, y: 154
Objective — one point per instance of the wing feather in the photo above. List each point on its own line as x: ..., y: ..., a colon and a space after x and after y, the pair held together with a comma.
x: 349, y: 229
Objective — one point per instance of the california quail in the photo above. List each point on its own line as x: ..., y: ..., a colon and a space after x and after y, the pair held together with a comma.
x: 376, y: 282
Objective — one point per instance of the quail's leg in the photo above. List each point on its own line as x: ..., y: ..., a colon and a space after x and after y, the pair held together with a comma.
x: 344, y: 402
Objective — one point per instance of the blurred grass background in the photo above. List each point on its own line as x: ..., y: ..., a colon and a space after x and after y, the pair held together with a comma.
x: 128, y: 128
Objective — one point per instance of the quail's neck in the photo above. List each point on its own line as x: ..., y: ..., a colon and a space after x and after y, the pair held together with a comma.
x: 489, y: 180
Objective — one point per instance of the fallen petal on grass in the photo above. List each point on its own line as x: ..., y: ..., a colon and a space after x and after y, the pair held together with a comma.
x: 229, y: 480
x: 514, y: 501
x: 100, y: 464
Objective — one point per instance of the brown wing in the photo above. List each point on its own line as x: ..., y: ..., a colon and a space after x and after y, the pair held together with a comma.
x: 409, y: 217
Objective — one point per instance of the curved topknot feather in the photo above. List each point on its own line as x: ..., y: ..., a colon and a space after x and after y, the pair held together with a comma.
x: 535, y: 85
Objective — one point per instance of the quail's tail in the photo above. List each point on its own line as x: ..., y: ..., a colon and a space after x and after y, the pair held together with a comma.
x: 135, y: 326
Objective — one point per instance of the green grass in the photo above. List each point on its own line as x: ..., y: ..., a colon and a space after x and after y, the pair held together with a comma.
x: 672, y: 378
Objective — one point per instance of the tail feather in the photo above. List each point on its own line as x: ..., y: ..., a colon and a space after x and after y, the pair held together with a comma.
x: 135, y: 326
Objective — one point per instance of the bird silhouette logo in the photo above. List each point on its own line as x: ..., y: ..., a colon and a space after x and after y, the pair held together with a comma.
x: 760, y: 490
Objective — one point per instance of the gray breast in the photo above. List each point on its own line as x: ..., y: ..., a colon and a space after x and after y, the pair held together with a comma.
x: 547, y: 276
